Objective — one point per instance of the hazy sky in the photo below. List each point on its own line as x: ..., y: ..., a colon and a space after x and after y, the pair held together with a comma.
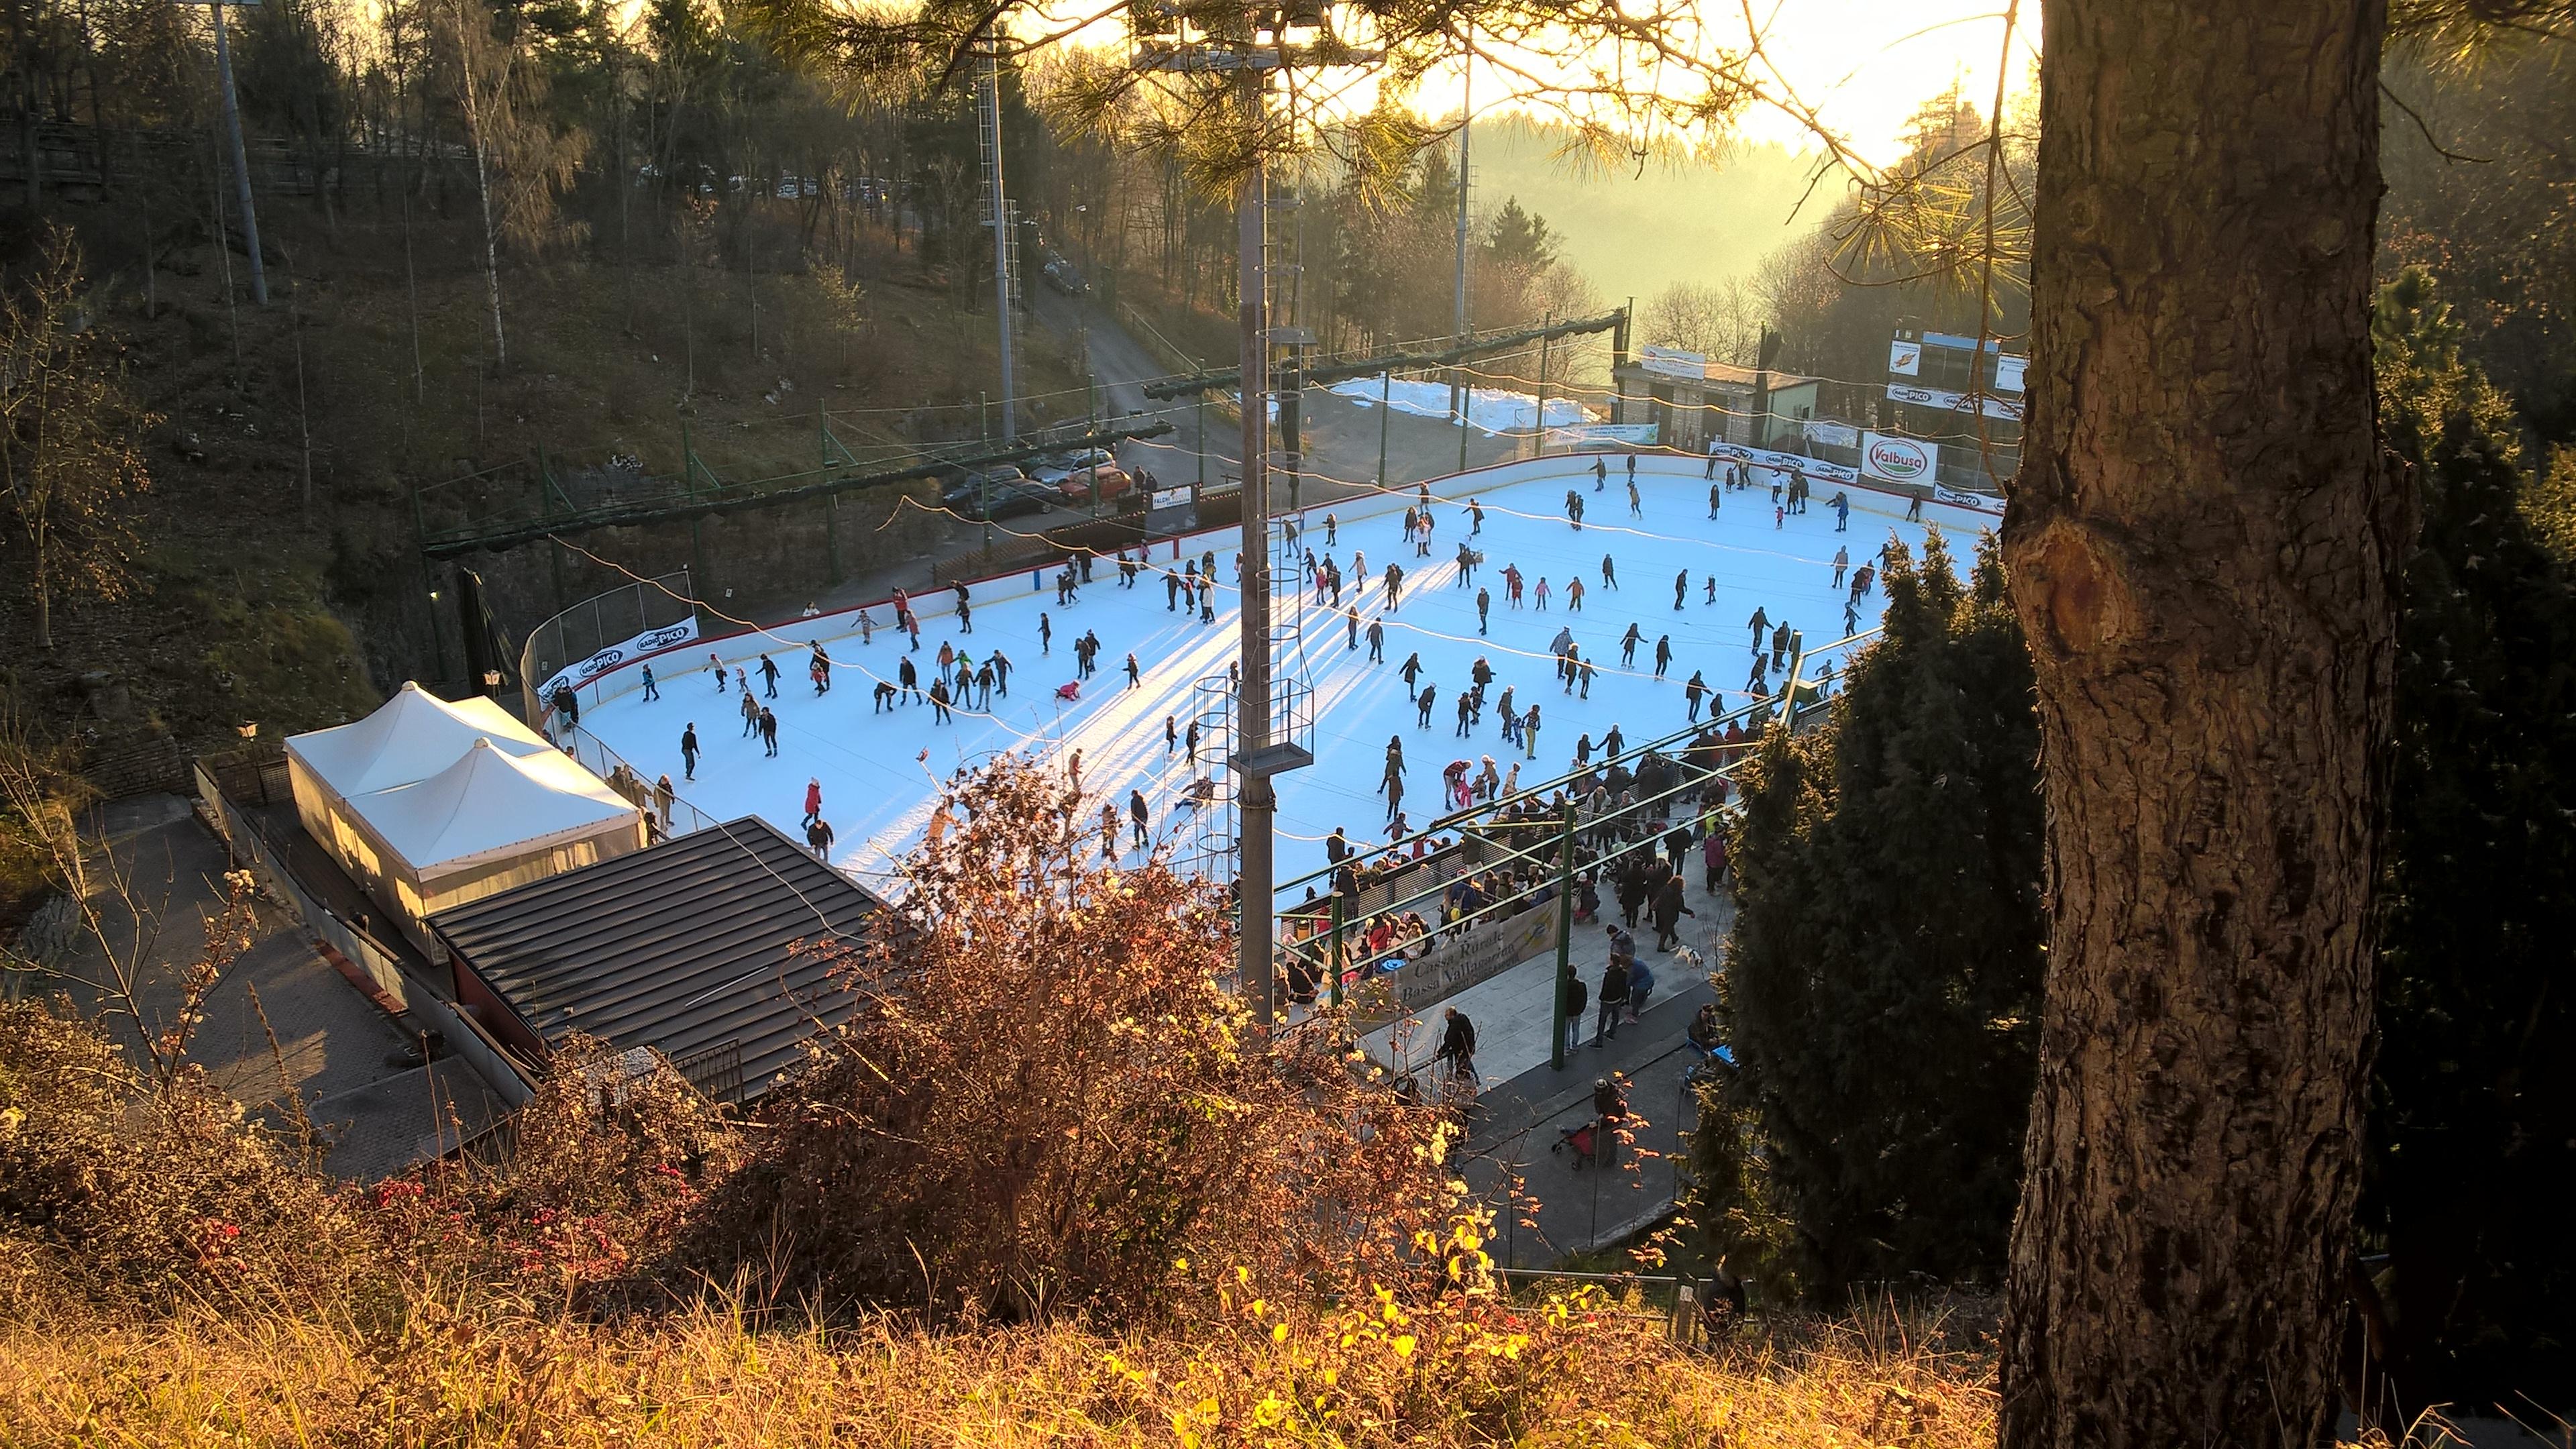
x: 1863, y: 65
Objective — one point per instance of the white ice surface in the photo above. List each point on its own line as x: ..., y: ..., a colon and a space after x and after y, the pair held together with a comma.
x: 878, y: 790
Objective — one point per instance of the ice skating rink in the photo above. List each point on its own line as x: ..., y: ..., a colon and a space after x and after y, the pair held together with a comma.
x: 880, y: 770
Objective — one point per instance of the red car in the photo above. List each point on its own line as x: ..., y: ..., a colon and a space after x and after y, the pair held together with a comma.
x: 1108, y: 479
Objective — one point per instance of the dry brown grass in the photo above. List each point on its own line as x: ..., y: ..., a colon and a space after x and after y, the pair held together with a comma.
x: 705, y: 1378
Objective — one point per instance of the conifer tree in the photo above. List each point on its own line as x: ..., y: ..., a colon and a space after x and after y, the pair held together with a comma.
x: 1882, y: 984
x: 2473, y: 1121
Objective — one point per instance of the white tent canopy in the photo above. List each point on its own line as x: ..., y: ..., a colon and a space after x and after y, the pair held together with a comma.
x: 412, y: 736
x: 492, y: 806
x: 430, y: 804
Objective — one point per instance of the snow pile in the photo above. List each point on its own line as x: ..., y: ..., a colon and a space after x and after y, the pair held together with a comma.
x: 1492, y: 410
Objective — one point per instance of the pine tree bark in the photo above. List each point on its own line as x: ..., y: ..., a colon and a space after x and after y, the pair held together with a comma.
x: 2204, y: 545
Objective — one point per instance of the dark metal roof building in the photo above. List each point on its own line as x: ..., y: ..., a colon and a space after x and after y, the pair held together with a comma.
x: 687, y: 947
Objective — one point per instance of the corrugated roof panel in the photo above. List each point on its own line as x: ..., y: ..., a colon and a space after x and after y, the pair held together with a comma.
x: 681, y: 947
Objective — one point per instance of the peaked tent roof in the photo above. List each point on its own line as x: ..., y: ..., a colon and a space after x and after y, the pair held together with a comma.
x: 492, y: 805
x: 412, y: 736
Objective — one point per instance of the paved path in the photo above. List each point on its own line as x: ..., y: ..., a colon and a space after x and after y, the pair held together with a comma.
x: 333, y: 1049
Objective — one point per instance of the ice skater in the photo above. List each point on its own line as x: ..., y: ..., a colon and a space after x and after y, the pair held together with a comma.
x: 768, y: 677
x: 1694, y: 692
x: 1411, y: 672
x: 1842, y: 561
x: 769, y: 733
x: 1681, y: 586
x: 651, y: 690
x: 1636, y: 506
x: 1376, y: 638
x: 1422, y: 703
x: 1628, y: 647
x: 1600, y: 475
x: 689, y: 750
x: 1760, y: 621
x: 1484, y: 608
x: 1542, y: 595
x: 1663, y: 655
x: 1609, y: 573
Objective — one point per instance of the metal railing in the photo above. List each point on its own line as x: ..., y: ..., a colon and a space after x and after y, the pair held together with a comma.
x: 460, y: 1033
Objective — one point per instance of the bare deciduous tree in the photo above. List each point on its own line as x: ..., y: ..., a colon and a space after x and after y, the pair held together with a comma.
x: 71, y: 434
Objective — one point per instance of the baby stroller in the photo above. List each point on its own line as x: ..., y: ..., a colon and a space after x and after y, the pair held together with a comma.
x: 1582, y: 1140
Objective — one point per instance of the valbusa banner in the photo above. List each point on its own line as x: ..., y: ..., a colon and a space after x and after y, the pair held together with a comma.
x: 650, y: 642
x: 1905, y: 462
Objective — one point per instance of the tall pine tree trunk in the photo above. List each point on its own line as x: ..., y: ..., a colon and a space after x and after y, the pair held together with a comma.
x: 2203, y: 544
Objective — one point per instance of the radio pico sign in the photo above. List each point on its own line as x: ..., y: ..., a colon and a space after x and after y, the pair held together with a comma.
x: 1903, y: 461
x: 651, y: 641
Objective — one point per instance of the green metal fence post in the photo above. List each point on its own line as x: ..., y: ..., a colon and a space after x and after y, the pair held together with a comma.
x: 1564, y: 940
x: 1385, y: 391
x: 1333, y: 962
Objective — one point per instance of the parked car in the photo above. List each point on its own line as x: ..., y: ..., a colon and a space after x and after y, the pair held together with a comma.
x: 998, y: 493
x: 1055, y: 467
x: 1107, y: 480
x: 1060, y: 274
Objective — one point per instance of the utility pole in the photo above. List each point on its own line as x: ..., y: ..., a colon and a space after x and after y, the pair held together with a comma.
x: 1258, y: 802
x: 1459, y: 392
x: 240, y: 155
x: 988, y: 97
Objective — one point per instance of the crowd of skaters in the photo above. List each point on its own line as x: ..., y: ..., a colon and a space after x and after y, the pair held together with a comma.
x: 957, y: 679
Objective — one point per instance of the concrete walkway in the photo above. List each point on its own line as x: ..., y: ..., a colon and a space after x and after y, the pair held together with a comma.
x: 284, y: 1030
x: 1545, y: 1204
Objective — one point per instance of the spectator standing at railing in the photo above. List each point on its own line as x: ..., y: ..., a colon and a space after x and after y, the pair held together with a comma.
x: 663, y: 795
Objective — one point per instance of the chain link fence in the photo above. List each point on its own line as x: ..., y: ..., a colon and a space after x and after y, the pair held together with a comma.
x: 601, y: 632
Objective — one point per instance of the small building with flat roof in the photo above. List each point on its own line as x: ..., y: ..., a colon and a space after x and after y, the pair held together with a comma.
x: 711, y: 949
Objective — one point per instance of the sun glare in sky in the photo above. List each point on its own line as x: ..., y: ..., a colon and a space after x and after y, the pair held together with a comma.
x: 1862, y: 66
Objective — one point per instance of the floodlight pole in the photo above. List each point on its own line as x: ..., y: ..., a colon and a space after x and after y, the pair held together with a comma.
x: 988, y: 95
x: 1258, y: 803
x: 1564, y: 941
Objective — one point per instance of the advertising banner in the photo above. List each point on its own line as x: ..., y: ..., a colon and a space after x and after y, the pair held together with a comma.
x: 1816, y: 468
x: 1981, y: 502
x: 1905, y: 462
x: 1637, y: 435
x: 1673, y: 362
x: 2007, y: 409
x: 2009, y: 373
x: 651, y: 641
x: 1904, y: 359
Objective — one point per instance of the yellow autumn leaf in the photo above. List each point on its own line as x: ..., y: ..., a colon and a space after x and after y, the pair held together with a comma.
x: 1404, y: 1345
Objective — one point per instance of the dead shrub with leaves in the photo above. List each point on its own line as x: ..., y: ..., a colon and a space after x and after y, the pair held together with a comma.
x: 1047, y: 1098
